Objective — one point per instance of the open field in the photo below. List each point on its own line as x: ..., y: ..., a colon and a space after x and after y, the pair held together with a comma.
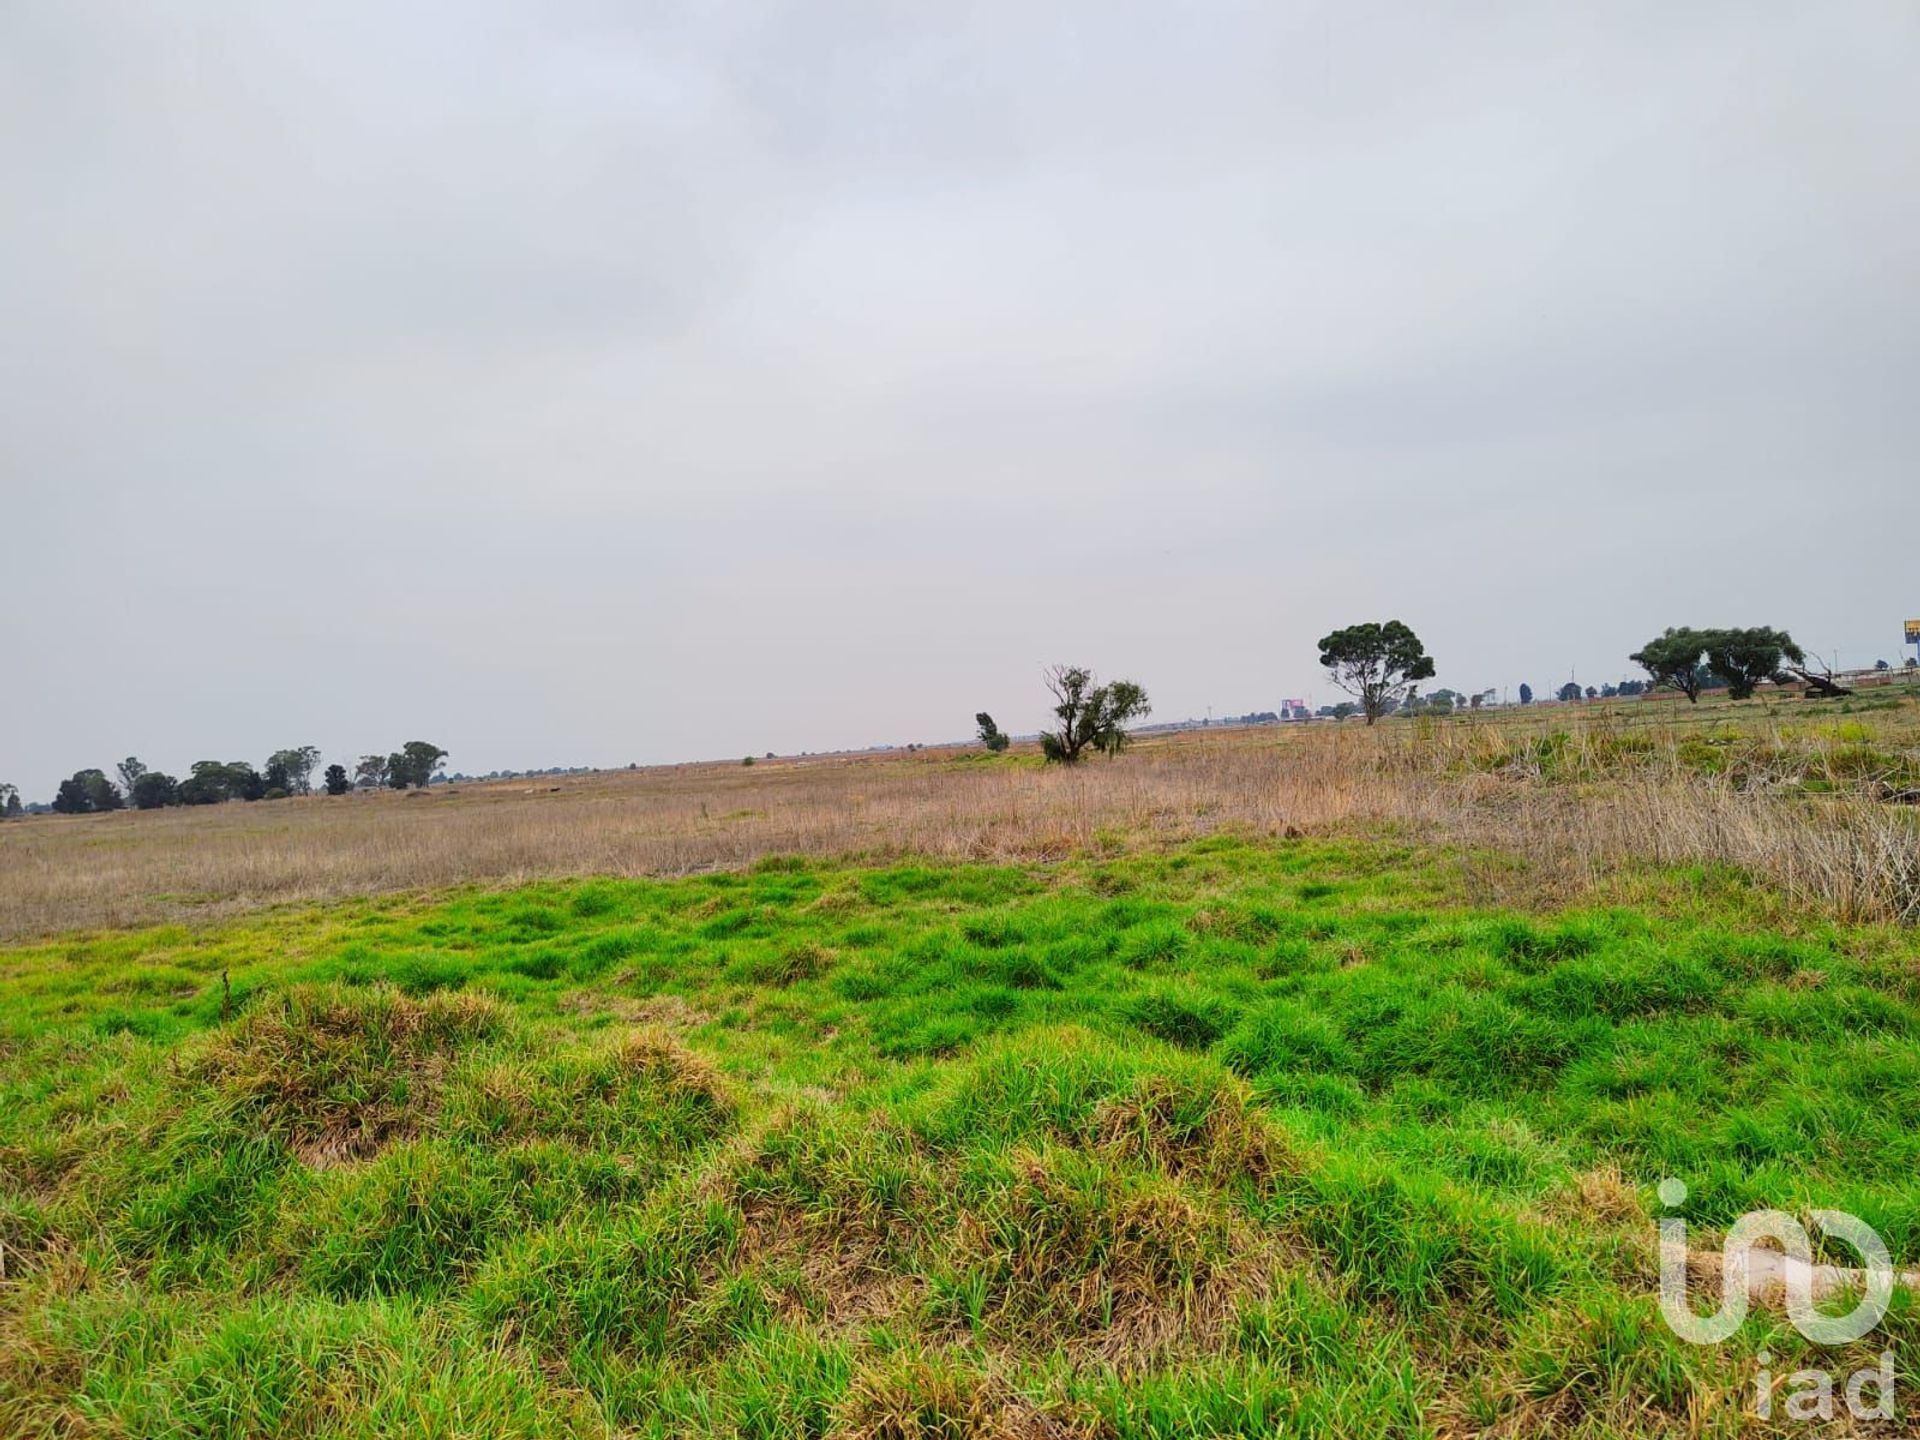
x: 1313, y: 1081
x: 1206, y: 1141
x: 1800, y: 794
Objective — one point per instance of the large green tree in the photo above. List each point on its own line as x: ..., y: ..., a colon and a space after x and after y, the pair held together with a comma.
x: 294, y: 768
x: 1672, y: 661
x: 87, y: 792
x: 213, y: 781
x: 1743, y: 658
x: 9, y: 801
x: 1380, y: 665
x: 153, y: 790
x: 1089, y: 714
x: 413, y: 764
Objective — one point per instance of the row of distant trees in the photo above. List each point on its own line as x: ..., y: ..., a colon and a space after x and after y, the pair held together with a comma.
x: 213, y: 782
x: 1382, y: 665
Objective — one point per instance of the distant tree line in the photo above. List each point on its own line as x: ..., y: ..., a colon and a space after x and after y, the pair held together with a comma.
x: 213, y: 782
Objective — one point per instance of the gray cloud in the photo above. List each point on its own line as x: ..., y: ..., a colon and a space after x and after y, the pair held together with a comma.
x: 593, y: 383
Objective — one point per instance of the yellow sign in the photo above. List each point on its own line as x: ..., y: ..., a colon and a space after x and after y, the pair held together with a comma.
x: 1913, y: 630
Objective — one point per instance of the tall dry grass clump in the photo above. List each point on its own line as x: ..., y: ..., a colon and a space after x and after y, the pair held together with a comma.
x: 1817, y: 813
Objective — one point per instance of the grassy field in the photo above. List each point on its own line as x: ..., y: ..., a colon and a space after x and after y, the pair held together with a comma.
x: 1806, y: 795
x: 1235, y: 1135
x: 1312, y: 1083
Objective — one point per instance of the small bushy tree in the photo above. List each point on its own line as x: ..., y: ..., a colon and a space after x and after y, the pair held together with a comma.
x: 1089, y: 715
x: 1526, y: 693
x: 9, y: 801
x: 991, y: 735
x: 336, y: 780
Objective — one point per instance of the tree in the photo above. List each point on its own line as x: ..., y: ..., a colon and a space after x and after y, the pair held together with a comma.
x: 200, y: 788
x: 1743, y: 658
x: 213, y: 781
x: 154, y: 791
x: 1672, y: 660
x: 86, y: 792
x: 1526, y: 693
x: 337, y: 782
x: 991, y: 735
x: 130, y: 772
x: 1567, y: 692
x: 371, y: 772
x: 1380, y: 665
x: 294, y: 768
x: 413, y: 764
x: 9, y: 801
x: 1089, y: 714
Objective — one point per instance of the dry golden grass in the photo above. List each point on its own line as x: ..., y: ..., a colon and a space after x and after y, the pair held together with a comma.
x: 1624, y: 784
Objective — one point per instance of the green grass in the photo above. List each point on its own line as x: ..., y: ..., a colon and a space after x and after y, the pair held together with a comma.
x: 1231, y: 1140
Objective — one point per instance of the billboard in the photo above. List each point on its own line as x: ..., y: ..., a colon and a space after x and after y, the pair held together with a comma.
x: 1913, y: 632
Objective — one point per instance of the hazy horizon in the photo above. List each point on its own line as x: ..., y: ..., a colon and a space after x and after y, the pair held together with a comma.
x: 587, y: 384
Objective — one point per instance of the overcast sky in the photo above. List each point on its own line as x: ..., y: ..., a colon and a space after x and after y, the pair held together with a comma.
x: 594, y: 383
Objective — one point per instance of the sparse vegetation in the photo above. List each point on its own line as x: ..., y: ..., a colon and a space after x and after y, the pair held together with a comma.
x: 1089, y: 715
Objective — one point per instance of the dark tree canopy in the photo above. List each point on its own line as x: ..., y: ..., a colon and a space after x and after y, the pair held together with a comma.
x: 1569, y: 691
x: 336, y: 780
x: 1089, y: 714
x: 991, y: 734
x: 1526, y: 693
x: 9, y: 801
x: 86, y: 792
x: 155, y: 791
x: 213, y: 781
x: 1379, y: 664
